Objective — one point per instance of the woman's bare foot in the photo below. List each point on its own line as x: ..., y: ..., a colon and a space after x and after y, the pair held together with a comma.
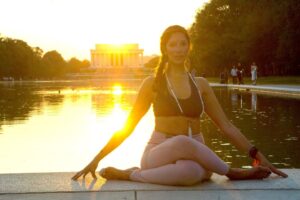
x: 112, y: 173
x: 258, y: 172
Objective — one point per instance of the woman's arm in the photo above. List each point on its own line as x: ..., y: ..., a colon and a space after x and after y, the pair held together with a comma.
x: 216, y: 113
x: 140, y: 107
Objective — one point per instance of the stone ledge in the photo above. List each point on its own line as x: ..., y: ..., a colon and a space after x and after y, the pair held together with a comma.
x: 277, y: 90
x: 60, y: 186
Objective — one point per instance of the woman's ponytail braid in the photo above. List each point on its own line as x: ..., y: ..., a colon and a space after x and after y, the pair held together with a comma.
x: 160, y: 72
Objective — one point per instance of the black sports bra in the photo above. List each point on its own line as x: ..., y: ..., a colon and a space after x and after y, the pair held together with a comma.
x: 164, y: 103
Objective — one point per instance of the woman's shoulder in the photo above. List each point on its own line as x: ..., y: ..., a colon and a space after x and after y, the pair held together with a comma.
x: 202, y: 83
x: 149, y: 78
x: 148, y: 82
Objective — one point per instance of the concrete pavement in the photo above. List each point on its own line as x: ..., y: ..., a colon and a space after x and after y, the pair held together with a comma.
x: 60, y: 186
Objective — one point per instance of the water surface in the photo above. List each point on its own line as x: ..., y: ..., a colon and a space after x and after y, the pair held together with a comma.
x: 60, y: 126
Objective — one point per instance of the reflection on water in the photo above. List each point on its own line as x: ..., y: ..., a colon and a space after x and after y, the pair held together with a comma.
x: 269, y: 122
x: 60, y: 126
x: 253, y: 101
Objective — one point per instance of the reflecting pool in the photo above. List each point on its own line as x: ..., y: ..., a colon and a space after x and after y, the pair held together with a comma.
x: 60, y: 126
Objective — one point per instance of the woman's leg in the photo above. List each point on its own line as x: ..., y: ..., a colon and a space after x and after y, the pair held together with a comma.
x: 182, y: 172
x: 181, y: 161
x: 172, y: 162
x: 184, y: 148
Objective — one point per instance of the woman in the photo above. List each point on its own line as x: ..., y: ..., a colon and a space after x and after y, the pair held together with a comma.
x: 253, y: 73
x: 176, y: 153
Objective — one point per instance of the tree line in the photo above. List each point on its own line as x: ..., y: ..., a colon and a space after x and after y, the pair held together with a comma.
x: 224, y: 33
x: 21, y: 61
x: 227, y: 32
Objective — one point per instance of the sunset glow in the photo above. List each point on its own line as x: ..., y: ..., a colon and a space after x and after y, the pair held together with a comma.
x: 117, y: 90
x: 74, y: 27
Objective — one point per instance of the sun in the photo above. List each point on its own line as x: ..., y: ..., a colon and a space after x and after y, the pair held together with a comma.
x: 117, y: 90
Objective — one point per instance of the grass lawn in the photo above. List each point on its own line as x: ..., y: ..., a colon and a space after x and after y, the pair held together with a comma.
x: 268, y: 80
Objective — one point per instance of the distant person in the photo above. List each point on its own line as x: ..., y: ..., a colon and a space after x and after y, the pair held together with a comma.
x: 242, y: 71
x: 176, y: 153
x: 234, y: 74
x: 240, y: 74
x: 224, y: 77
x: 253, y: 73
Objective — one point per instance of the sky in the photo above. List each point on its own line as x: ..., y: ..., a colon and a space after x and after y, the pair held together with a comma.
x: 73, y: 27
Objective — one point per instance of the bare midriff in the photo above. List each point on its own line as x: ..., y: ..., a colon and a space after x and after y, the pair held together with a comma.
x: 177, y: 125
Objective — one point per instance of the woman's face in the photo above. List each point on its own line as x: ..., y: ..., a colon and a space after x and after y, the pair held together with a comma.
x: 177, y: 48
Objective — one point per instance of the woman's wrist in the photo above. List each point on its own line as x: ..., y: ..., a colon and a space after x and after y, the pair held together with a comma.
x: 98, y: 157
x: 96, y: 160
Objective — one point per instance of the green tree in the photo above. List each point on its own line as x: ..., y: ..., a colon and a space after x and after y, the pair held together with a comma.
x: 226, y: 32
x: 53, y: 65
x: 75, y: 65
x: 17, y: 58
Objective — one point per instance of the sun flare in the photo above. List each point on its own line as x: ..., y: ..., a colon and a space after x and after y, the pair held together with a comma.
x: 117, y: 90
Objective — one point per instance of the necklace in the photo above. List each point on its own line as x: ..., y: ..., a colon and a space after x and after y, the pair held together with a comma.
x: 190, y: 131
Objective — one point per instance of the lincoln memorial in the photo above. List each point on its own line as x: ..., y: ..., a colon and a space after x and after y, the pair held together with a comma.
x: 109, y: 56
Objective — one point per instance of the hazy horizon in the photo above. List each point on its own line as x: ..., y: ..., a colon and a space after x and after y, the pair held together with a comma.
x: 74, y: 27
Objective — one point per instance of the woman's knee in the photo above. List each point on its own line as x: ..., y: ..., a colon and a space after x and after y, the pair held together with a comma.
x: 190, y: 172
x: 183, y: 141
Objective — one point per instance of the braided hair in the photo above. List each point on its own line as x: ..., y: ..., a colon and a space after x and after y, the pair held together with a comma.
x: 161, y: 68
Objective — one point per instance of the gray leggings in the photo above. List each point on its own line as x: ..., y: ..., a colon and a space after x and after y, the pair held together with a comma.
x: 177, y: 160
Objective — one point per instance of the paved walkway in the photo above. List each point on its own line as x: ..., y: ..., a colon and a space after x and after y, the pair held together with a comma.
x: 60, y: 186
x: 286, y: 90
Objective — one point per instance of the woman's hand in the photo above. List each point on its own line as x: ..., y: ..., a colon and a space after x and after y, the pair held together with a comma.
x: 261, y: 160
x: 90, y: 168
